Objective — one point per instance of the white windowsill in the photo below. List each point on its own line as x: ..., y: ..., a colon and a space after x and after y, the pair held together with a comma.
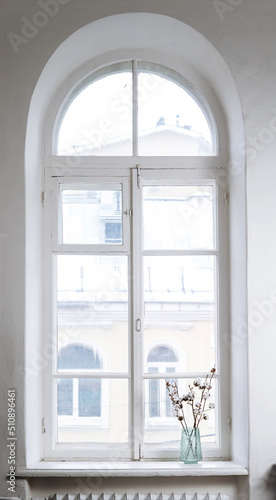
x: 131, y: 469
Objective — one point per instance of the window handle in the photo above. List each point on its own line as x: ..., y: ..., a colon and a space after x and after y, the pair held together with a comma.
x: 138, y: 325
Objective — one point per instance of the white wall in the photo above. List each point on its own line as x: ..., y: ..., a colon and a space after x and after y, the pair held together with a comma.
x: 243, y: 32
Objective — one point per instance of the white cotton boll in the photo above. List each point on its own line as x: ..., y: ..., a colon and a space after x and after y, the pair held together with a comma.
x: 197, y: 382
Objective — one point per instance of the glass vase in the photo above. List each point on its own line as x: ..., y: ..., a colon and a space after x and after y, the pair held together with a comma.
x: 190, y: 448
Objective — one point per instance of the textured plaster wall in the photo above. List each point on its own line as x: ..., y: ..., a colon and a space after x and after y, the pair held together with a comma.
x: 243, y: 32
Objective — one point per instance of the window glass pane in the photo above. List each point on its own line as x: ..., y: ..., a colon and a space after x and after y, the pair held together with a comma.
x: 165, y: 429
x: 180, y: 311
x: 182, y: 214
x: 92, y: 216
x: 92, y: 312
x: 170, y: 121
x: 79, y: 397
x: 154, y: 410
x: 65, y: 396
x: 89, y: 397
x: 99, y: 120
x: 100, y: 412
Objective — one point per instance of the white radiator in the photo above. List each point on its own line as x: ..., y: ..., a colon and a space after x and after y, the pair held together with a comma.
x: 137, y: 496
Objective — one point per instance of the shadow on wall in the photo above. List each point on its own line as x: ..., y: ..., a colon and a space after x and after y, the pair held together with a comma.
x: 270, y: 481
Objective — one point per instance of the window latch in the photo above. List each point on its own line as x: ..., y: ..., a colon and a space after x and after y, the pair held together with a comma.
x: 43, y: 199
x: 138, y: 325
x: 138, y: 176
x: 226, y: 198
x: 228, y: 425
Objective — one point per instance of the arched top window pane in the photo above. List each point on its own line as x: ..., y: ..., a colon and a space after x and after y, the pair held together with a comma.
x: 170, y: 120
x: 161, y: 353
x: 98, y: 121
x: 77, y: 356
x: 113, y: 113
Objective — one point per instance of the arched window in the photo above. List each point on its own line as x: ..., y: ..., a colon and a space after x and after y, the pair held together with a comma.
x: 136, y: 227
x: 161, y: 359
x: 78, y: 397
x: 135, y: 108
x: 161, y: 354
x: 77, y: 356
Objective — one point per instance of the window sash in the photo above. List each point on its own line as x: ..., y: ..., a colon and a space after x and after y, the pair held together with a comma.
x: 150, y: 177
x: 58, y: 184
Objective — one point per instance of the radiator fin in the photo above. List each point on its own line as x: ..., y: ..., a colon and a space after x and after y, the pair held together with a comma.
x: 136, y: 496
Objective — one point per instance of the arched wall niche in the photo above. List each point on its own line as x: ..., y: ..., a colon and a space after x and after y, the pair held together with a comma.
x: 203, y: 65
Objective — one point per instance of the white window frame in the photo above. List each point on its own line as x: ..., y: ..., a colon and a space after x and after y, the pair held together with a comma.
x: 76, y: 169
